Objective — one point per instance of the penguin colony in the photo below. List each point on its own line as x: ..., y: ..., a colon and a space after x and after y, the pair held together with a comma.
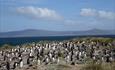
x: 66, y: 52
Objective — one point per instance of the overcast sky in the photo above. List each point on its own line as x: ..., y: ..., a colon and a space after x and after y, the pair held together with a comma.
x: 57, y: 15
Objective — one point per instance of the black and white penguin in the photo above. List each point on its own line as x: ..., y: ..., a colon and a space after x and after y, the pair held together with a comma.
x: 7, y: 65
x: 21, y: 63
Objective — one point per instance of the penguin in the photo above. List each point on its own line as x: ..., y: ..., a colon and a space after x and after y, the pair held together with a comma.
x: 47, y: 61
x: 72, y: 63
x: 7, y: 65
x: 107, y: 58
x: 15, y: 65
x: 21, y: 63
x: 39, y: 62
x: 28, y: 61
x: 53, y: 60
x: 58, y: 60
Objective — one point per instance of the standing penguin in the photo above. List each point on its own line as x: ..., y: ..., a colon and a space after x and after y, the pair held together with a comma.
x: 107, y: 58
x: 58, y: 60
x: 7, y: 65
x: 39, y: 61
x: 21, y: 63
x: 14, y: 65
x: 47, y: 61
x: 28, y: 61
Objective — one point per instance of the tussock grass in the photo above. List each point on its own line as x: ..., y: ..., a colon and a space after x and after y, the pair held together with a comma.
x: 92, y: 67
x: 58, y: 67
x: 6, y: 46
x: 99, y: 66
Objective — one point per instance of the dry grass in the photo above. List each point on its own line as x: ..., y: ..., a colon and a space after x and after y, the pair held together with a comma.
x: 99, y: 66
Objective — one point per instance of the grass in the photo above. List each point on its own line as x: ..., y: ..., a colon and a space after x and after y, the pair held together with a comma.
x: 58, y: 67
x: 98, y: 66
x: 6, y: 46
x: 92, y: 67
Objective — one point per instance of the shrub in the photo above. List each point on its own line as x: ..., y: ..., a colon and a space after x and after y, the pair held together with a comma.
x: 6, y: 46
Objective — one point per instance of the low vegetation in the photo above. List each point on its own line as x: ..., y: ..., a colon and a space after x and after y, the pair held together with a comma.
x: 6, y: 46
x: 98, y: 66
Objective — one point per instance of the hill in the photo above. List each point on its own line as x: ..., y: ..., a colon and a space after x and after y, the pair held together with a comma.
x: 34, y: 33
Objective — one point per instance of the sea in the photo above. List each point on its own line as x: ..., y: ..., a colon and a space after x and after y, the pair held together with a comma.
x: 23, y: 40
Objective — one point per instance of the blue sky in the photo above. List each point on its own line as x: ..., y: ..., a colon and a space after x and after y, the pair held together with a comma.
x: 57, y: 15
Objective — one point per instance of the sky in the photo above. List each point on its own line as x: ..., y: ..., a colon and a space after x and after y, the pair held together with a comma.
x: 57, y: 15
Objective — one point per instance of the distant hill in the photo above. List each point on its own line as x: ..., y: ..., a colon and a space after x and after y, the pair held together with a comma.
x: 34, y: 33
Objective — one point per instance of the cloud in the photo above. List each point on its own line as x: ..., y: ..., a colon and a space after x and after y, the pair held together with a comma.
x: 39, y: 13
x: 97, y: 13
x: 88, y: 12
x: 107, y: 15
